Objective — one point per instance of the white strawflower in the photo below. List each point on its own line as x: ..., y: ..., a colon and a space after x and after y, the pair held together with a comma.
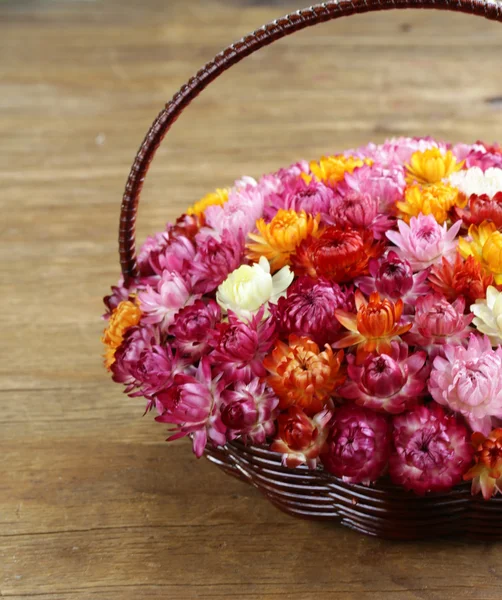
x: 475, y: 181
x: 247, y: 288
x: 488, y: 315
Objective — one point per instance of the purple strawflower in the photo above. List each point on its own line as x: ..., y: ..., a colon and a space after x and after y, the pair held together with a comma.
x: 194, y: 328
x: 309, y: 307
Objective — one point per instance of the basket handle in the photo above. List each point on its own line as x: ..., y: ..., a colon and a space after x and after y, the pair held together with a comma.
x: 326, y: 11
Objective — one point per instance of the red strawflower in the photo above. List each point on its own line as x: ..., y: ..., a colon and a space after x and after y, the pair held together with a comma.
x: 465, y: 278
x: 431, y: 450
x: 358, y: 445
x: 194, y: 328
x: 300, y: 439
x: 338, y: 254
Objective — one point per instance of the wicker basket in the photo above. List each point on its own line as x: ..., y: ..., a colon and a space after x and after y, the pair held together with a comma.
x: 383, y: 510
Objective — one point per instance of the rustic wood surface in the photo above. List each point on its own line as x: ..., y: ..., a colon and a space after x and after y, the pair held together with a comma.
x: 93, y: 503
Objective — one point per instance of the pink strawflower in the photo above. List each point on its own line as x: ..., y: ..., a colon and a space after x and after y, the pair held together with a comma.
x: 392, y: 276
x: 309, y: 307
x: 176, y: 255
x: 152, y: 246
x: 193, y: 405
x: 314, y: 198
x: 159, y: 305
x: 194, y: 328
x: 484, y: 157
x: 215, y: 259
x: 240, y: 213
x: 358, y: 445
x: 387, y: 383
x: 469, y: 381
x: 424, y: 242
x: 118, y: 295
x: 241, y: 346
x: 129, y: 354
x: 431, y: 450
x: 276, y: 186
x: 397, y: 151
x: 358, y: 209
x: 250, y: 411
x: 300, y: 438
x: 437, y: 322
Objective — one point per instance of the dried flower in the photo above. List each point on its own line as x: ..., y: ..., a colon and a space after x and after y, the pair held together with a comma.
x: 194, y: 327
x: 431, y: 450
x: 387, y: 383
x: 277, y: 240
x: 240, y: 347
x: 331, y: 169
x: 126, y: 315
x: 437, y: 200
x: 337, y: 254
x: 248, y: 288
x: 303, y: 375
x: 486, y: 474
x: 314, y: 198
x: 431, y: 166
x: 485, y: 246
x: 309, y: 307
x: 460, y: 278
x: 469, y: 381
x: 193, y: 404
x: 250, y: 411
x: 300, y: 439
x: 375, y: 325
x: 216, y: 198
x: 358, y: 445
x: 424, y: 242
x: 475, y: 181
x: 488, y: 315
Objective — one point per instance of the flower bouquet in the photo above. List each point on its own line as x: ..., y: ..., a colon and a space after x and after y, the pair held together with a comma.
x: 337, y: 321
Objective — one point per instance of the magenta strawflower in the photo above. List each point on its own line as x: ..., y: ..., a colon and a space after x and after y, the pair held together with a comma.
x: 358, y: 445
x: 309, y: 307
x: 300, y: 439
x: 241, y: 346
x: 193, y: 329
x: 424, y: 242
x: 314, y: 197
x: 393, y: 277
x: 469, y: 381
x: 159, y: 305
x: 119, y: 294
x: 249, y: 411
x: 431, y: 450
x: 152, y: 246
x: 193, y: 405
x: 438, y: 322
x: 387, y: 383
x: 128, y: 355
x: 176, y: 256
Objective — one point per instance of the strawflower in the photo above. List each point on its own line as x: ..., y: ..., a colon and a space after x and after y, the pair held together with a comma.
x: 249, y: 411
x: 387, y: 383
x: 424, y: 242
x: 475, y: 181
x: 124, y: 316
x: 194, y: 328
x: 488, y: 315
x: 431, y: 166
x: 376, y: 323
x: 338, y: 254
x: 469, y: 382
x: 216, y: 198
x: 277, y: 240
x: 431, y: 450
x: 300, y: 438
x: 193, y: 405
x: 332, y: 169
x: 437, y: 200
x: 358, y: 445
x: 301, y: 374
x: 248, y: 288
x: 485, y: 245
x: 486, y: 474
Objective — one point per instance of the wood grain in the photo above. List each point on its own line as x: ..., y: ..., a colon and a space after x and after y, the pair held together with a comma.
x: 93, y: 503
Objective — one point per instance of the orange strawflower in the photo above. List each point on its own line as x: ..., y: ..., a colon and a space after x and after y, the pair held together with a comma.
x: 486, y: 474
x: 126, y: 315
x: 436, y: 200
x: 216, y: 198
x: 303, y: 375
x: 278, y: 239
x: 374, y: 326
x: 431, y: 166
x: 485, y: 245
x: 331, y: 169
x: 460, y: 278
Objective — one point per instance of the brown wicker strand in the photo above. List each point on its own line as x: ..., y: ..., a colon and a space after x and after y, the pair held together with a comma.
x: 326, y: 11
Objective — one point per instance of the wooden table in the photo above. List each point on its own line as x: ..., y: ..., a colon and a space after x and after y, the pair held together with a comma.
x: 93, y: 503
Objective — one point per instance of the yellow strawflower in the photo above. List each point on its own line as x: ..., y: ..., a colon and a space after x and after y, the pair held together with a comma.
x: 431, y: 166
x: 436, y: 200
x: 331, y: 169
x: 485, y: 246
x: 216, y: 198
